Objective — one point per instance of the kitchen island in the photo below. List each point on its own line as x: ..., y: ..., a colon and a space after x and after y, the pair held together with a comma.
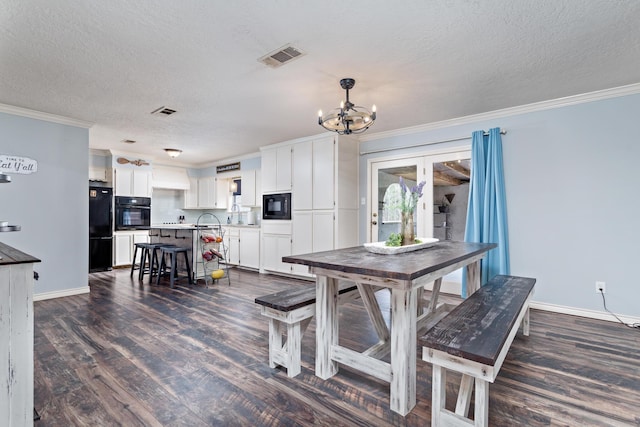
x: 241, y: 242
x: 184, y: 236
x: 16, y: 337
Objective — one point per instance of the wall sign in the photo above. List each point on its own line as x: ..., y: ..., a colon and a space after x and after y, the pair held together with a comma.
x: 16, y: 164
x: 229, y: 167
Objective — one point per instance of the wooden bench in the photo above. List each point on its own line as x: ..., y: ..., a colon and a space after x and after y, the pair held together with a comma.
x: 474, y: 340
x: 294, y: 308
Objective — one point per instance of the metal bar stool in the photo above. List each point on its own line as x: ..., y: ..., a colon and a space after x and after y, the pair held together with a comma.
x: 173, y: 255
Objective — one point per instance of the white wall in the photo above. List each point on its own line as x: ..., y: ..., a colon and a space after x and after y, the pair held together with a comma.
x: 572, y: 183
x: 51, y: 205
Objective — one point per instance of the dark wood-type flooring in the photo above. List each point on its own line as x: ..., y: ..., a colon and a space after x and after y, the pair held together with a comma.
x: 130, y: 354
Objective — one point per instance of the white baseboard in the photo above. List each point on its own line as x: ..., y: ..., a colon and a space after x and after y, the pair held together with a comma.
x: 573, y: 311
x: 58, y: 294
x: 454, y: 289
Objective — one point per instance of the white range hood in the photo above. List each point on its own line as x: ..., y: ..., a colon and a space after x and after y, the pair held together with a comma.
x: 171, y: 178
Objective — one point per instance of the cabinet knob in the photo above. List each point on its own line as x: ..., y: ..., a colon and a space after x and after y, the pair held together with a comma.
x: 374, y: 222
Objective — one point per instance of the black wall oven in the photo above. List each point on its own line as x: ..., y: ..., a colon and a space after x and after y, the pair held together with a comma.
x: 276, y: 206
x: 132, y: 213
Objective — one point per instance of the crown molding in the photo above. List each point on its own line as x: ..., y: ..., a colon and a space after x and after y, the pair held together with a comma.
x: 599, y: 95
x: 47, y: 117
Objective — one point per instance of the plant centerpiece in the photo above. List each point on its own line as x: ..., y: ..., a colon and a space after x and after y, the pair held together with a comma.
x: 408, y: 203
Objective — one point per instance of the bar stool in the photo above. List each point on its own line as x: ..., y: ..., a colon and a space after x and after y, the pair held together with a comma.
x: 149, y: 255
x: 173, y: 255
x: 135, y: 266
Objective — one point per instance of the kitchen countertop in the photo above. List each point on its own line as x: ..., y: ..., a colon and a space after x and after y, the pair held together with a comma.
x: 194, y: 227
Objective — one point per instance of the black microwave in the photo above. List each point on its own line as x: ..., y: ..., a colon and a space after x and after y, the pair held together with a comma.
x: 276, y: 206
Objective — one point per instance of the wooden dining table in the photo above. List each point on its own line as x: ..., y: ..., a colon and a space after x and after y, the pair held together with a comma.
x: 405, y: 275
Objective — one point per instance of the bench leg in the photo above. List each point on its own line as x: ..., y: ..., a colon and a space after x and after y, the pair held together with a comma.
x: 438, y: 393
x: 275, y: 340
x: 464, y: 395
x: 481, y: 407
x: 294, y: 338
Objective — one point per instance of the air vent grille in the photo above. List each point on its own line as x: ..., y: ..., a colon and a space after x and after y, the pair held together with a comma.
x: 281, y: 56
x: 163, y: 111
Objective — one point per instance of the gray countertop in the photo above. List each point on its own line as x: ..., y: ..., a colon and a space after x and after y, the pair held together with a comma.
x: 193, y: 226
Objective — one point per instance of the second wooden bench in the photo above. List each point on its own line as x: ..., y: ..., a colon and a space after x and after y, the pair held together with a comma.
x: 291, y: 311
x: 474, y: 340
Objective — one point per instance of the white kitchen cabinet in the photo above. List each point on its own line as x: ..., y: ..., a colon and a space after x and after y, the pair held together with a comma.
x: 221, y: 194
x: 276, y: 169
x: 323, y: 167
x: 302, y: 175
x: 251, y: 192
x: 206, y: 192
x: 132, y: 183
x: 322, y: 233
x: 276, y: 246
x: 191, y: 195
x: 276, y: 243
x: 249, y: 251
x: 232, y: 242
x: 123, y: 246
x: 301, y: 238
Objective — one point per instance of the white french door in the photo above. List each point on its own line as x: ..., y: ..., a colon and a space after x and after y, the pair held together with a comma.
x: 386, y: 173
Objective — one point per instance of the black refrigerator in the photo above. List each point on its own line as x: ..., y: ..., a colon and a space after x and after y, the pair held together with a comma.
x: 100, y: 228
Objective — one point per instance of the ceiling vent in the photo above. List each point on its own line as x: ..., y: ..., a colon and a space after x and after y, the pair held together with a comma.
x: 281, y: 56
x: 163, y: 111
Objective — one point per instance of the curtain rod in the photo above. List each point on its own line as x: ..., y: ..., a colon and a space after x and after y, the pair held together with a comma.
x: 382, y: 150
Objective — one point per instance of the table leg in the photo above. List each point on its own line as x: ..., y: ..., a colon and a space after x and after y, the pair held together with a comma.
x: 403, y: 350
x: 473, y: 277
x: 433, y: 303
x: 326, y: 325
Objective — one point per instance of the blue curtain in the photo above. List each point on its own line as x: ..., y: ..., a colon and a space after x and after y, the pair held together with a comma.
x: 487, y: 208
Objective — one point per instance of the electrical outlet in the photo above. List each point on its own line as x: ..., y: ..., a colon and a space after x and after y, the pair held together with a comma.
x: 601, y: 287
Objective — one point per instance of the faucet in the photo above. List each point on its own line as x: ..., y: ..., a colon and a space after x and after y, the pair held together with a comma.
x: 235, y: 208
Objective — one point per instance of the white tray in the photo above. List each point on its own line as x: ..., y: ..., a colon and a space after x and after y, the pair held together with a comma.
x: 382, y: 248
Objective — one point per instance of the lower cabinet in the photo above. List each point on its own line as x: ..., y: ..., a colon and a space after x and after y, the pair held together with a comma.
x: 249, y: 250
x: 243, y: 246
x: 276, y: 243
x: 123, y: 248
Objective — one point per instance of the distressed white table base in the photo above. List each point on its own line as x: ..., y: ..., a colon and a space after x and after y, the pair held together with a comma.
x: 401, y: 341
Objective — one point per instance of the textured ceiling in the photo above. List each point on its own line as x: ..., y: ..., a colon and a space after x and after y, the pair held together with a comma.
x: 113, y: 62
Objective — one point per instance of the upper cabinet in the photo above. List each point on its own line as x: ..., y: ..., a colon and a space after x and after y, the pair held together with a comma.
x: 251, y: 188
x: 131, y: 182
x: 207, y: 192
x: 276, y: 169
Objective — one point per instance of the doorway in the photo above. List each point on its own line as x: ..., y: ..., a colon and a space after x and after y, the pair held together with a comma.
x: 442, y: 210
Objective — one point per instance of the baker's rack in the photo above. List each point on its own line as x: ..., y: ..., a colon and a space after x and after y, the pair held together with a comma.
x: 212, y: 255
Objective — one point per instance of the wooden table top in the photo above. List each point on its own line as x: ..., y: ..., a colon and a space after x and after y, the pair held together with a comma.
x: 10, y: 256
x: 404, y: 266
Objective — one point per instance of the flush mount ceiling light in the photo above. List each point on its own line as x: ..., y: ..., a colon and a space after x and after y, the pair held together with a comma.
x: 173, y: 152
x: 349, y: 118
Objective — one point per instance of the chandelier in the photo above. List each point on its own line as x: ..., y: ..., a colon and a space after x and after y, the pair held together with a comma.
x: 349, y: 118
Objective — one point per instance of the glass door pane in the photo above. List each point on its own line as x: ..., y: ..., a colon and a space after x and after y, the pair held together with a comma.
x: 385, y: 189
